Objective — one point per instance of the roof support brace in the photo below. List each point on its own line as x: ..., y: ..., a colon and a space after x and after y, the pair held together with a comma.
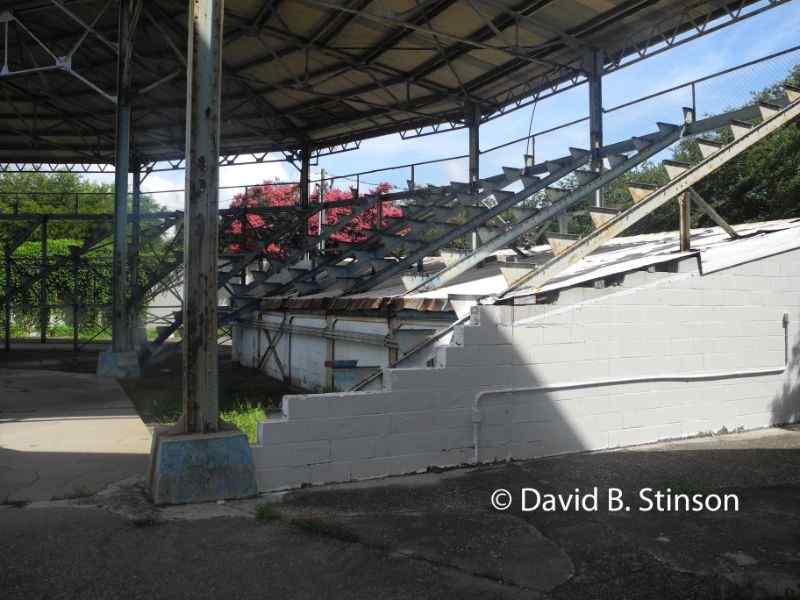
x: 201, y: 230
x: 698, y: 201
x: 120, y: 322
x: 594, y: 71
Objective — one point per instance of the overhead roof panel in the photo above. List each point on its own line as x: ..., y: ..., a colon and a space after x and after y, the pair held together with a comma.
x: 305, y: 71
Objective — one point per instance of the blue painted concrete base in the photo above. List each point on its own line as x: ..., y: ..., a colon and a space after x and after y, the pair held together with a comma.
x: 187, y: 468
x: 118, y: 364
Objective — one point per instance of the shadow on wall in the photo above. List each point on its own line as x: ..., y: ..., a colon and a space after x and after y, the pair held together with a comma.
x: 786, y: 404
x: 587, y: 376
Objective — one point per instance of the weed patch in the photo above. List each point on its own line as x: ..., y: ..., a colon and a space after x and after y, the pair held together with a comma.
x: 326, y: 528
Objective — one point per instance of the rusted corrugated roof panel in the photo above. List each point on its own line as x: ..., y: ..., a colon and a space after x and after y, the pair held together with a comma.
x: 345, y: 305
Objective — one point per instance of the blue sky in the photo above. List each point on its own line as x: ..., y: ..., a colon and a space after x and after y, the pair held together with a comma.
x: 774, y: 30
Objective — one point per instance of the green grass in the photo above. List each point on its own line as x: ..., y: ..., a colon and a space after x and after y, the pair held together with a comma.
x: 246, y: 417
x: 266, y: 513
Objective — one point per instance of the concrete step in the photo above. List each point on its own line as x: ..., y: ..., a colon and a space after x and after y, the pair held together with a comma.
x: 740, y: 128
x: 561, y: 242
x: 768, y: 110
x: 675, y: 168
x: 640, y: 191
x: 709, y: 147
x: 601, y: 216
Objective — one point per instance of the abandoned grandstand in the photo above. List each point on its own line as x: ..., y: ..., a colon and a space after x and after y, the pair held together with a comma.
x: 470, y: 322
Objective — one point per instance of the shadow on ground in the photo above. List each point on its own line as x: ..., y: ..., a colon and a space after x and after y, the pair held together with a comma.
x: 436, y: 535
x: 157, y: 394
x: 752, y: 552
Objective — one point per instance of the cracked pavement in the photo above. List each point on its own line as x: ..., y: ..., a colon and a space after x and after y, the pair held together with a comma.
x: 435, y: 535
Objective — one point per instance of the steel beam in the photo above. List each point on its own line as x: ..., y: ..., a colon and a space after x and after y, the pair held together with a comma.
x: 473, y: 119
x: 697, y: 199
x: 203, y: 104
x: 595, y: 61
x: 120, y: 322
x: 520, y: 228
x: 638, y: 211
x: 305, y: 169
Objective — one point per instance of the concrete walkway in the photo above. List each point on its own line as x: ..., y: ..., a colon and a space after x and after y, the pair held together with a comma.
x: 436, y: 536
x: 65, y: 435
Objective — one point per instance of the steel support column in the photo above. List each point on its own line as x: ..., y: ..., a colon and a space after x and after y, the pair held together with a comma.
x: 305, y: 169
x: 685, y: 216
x: 473, y: 119
x: 136, y: 236
x: 120, y: 321
x: 594, y: 70
x: 200, y: 391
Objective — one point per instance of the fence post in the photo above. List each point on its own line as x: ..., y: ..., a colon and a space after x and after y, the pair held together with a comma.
x: 7, y: 299
x: 44, y: 313
x: 75, y: 317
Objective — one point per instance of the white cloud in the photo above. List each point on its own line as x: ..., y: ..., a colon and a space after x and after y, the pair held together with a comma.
x: 235, y: 178
x: 168, y: 185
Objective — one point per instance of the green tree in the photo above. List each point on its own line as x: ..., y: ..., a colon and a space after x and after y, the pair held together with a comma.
x: 762, y: 183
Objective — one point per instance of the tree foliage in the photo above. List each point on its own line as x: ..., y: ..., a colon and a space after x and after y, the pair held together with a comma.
x: 243, y: 232
x: 760, y: 184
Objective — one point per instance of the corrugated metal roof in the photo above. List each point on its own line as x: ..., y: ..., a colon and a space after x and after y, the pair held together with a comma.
x: 620, y: 255
x: 316, y: 71
x: 383, y: 304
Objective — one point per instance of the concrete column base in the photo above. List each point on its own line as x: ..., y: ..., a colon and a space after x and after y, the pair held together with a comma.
x: 118, y: 364
x: 188, y: 468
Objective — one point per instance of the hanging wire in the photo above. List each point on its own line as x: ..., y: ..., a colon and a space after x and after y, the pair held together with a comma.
x: 528, y: 145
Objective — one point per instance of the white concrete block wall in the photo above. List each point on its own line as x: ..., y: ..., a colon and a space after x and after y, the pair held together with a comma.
x: 679, y: 355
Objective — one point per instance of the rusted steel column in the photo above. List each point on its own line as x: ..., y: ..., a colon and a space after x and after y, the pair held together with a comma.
x: 120, y: 321
x: 684, y: 210
x: 594, y: 71
x: 204, y: 69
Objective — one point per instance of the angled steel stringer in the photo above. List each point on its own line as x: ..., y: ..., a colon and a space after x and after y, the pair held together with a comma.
x: 680, y: 184
x: 658, y: 144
